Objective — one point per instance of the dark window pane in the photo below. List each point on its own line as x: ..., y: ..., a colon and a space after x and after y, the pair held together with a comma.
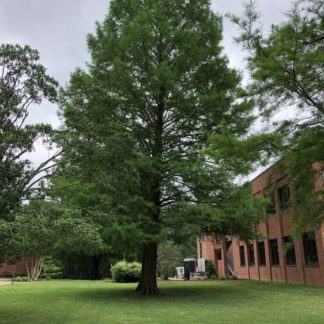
x: 310, y: 249
x: 200, y: 249
x: 251, y: 255
x: 274, y: 252
x: 261, y: 250
x: 242, y: 255
x: 290, y: 251
x: 218, y: 254
x: 271, y: 207
x: 284, y: 197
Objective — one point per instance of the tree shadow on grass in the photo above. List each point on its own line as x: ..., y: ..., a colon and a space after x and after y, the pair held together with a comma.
x: 208, y: 292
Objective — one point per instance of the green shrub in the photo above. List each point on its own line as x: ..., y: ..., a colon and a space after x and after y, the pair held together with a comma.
x: 51, y: 269
x: 123, y: 271
x: 210, y: 269
x: 21, y: 279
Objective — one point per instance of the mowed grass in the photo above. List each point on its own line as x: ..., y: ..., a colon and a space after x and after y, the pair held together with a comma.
x: 181, y: 302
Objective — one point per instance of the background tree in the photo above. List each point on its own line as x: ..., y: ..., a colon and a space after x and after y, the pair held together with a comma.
x: 168, y: 258
x: 158, y: 85
x: 97, y: 180
x: 287, y: 71
x: 42, y: 229
x: 23, y: 82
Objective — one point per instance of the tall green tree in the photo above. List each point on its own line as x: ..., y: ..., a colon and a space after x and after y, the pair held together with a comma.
x: 23, y: 82
x: 158, y: 85
x: 287, y: 82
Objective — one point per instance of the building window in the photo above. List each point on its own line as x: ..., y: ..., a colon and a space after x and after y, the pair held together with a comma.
x: 261, y: 252
x: 218, y: 254
x: 251, y: 255
x: 310, y: 250
x: 284, y: 197
x: 274, y: 252
x: 200, y: 249
x: 242, y: 256
x: 271, y: 207
x: 290, y: 251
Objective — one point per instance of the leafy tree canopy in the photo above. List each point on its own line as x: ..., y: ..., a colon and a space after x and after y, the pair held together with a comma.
x: 23, y: 82
x: 44, y: 228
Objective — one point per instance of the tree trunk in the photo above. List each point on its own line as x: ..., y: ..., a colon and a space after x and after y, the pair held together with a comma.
x: 148, y: 284
x: 34, y: 267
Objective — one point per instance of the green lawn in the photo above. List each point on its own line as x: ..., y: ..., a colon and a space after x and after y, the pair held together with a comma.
x: 181, y: 302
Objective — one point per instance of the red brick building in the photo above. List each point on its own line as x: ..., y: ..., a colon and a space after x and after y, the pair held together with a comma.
x: 275, y: 257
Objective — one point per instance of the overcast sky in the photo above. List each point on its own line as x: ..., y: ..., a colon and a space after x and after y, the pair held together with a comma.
x: 58, y: 29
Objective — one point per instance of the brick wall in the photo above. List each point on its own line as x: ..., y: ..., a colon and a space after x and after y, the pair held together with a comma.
x: 276, y: 226
x: 7, y: 269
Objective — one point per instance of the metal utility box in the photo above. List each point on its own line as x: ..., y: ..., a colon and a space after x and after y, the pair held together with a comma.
x: 191, y: 263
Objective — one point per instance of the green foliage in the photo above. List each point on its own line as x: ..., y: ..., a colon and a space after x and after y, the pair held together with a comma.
x: 51, y: 269
x: 188, y: 248
x: 123, y: 271
x: 43, y: 228
x: 21, y: 279
x: 169, y: 257
x: 145, y: 107
x: 239, y: 214
x: 243, y: 155
x: 287, y: 64
x: 210, y: 269
x: 287, y: 70
x: 23, y: 83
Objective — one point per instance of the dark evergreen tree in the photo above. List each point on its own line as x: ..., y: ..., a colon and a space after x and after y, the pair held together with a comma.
x: 158, y: 85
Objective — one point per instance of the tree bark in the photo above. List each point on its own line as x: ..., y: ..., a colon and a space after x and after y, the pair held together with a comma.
x: 148, y: 284
x: 34, y: 267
